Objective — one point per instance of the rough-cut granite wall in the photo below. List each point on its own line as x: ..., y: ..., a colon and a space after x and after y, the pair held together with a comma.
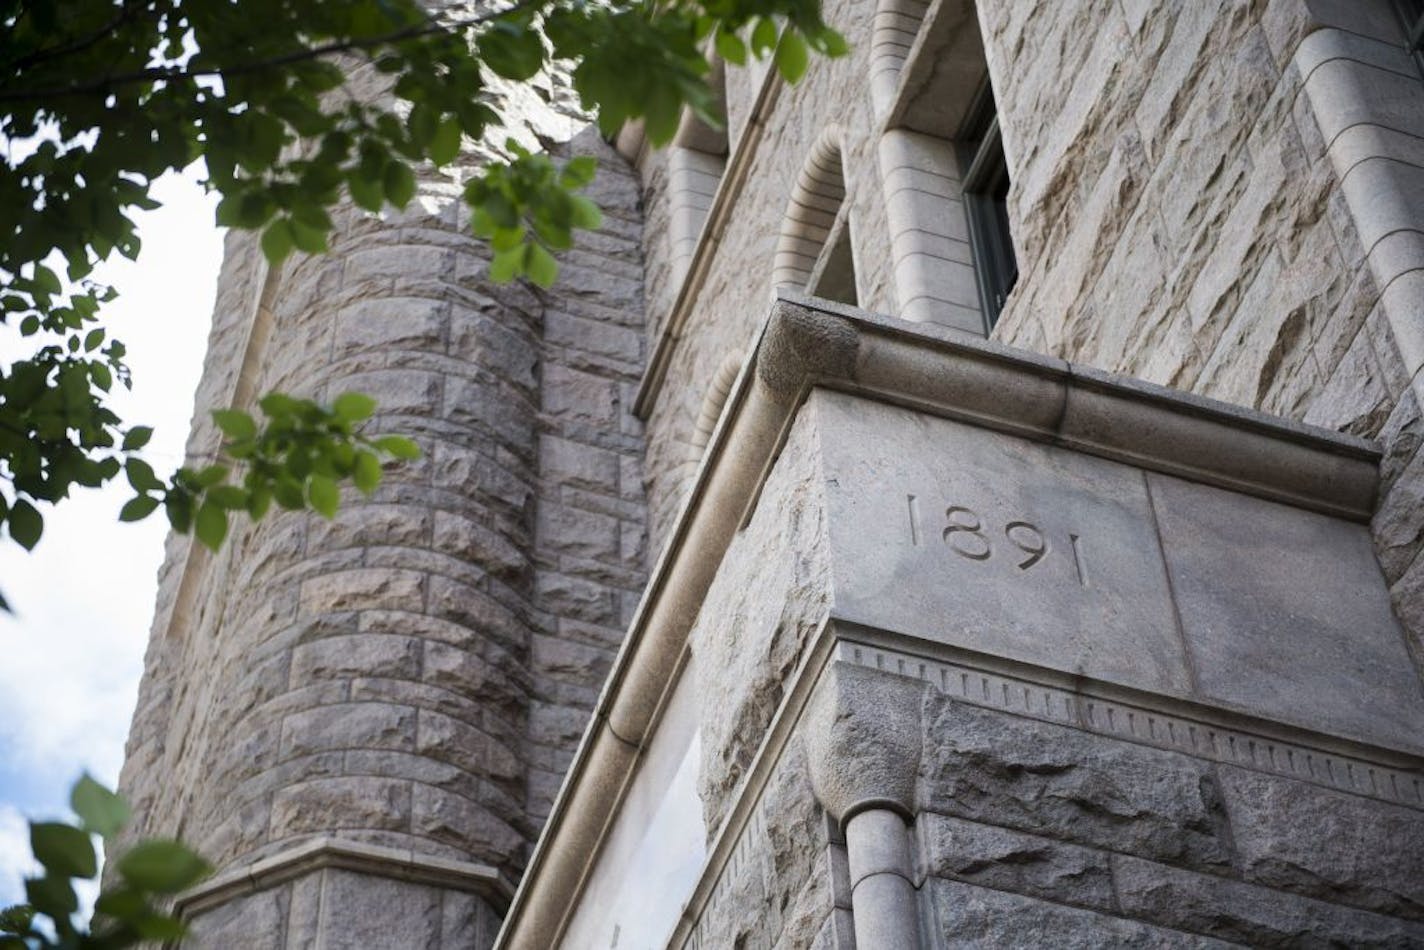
x: 416, y: 673
x: 1200, y: 207
x: 1023, y: 831
x: 1026, y: 828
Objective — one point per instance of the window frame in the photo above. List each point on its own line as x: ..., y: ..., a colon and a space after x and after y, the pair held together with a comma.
x: 1411, y: 19
x: 985, y: 182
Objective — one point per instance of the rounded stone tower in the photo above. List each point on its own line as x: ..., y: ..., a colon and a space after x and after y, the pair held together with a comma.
x: 362, y: 722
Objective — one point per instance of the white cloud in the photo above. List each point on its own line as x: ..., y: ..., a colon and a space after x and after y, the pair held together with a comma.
x: 15, y: 859
x: 83, y: 599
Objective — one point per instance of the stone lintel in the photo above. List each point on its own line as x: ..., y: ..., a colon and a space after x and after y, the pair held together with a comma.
x: 811, y: 344
x: 322, y: 853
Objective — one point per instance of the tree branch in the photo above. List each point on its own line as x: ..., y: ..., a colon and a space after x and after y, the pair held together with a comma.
x: 160, y: 74
x: 57, y: 52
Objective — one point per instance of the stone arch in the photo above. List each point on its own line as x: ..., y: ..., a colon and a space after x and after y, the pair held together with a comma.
x: 815, y: 201
x: 897, y: 23
x: 712, y: 405
x: 927, y: 116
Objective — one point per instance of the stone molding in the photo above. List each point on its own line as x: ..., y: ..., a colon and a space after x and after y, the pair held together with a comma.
x: 335, y: 853
x: 811, y: 212
x: 1158, y: 721
x: 896, y: 25
x: 808, y: 343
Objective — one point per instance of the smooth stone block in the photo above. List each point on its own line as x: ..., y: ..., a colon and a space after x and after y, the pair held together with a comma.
x: 1286, y: 614
x: 996, y: 544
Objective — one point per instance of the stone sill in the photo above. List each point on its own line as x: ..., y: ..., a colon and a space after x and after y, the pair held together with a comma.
x: 329, y: 852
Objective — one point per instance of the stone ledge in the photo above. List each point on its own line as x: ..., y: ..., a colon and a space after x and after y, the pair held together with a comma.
x: 327, y: 852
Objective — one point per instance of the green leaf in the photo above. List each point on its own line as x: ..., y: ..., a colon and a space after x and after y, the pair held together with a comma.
x: 52, y: 896
x: 15, y: 919
x: 399, y: 184
x: 445, y: 146
x: 731, y: 48
x: 160, y: 929
x: 278, y: 404
x: 398, y: 446
x: 258, y: 501
x: 354, y: 407
x: 93, y: 339
x: 579, y: 171
x: 541, y: 267
x: 140, y: 475
x: 138, y: 508
x: 583, y: 213
x: 102, y: 812
x: 137, y: 437
x: 288, y: 492
x: 210, y: 476
x: 26, y: 524
x: 829, y: 42
x: 277, y: 241
x: 179, y: 508
x: 228, y: 497
x: 211, y: 525
x: 763, y: 37
x: 791, y: 56
x: 235, y: 424
x: 507, y: 265
x: 366, y: 472
x: 324, y: 495
x: 367, y: 192
x: 308, y: 239
x: 162, y: 867
x: 64, y: 850
x: 512, y: 51
x: 46, y: 280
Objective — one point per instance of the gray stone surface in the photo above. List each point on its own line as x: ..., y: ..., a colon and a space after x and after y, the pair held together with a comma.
x: 1325, y: 844
x: 1285, y: 615
x: 988, y: 542
x: 1058, y: 782
x: 1006, y: 860
x: 347, y: 910
x: 962, y: 915
x: 1255, y: 916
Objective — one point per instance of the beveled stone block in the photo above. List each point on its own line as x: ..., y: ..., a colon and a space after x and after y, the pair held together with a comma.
x: 985, y: 541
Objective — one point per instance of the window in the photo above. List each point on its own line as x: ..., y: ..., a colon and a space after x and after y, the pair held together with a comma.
x: 1411, y: 14
x: 986, y: 192
x: 833, y: 277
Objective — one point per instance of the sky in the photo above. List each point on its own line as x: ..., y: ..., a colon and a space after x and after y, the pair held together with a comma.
x: 73, y: 649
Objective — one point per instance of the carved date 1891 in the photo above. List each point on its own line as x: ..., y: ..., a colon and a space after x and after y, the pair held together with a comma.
x: 966, y: 534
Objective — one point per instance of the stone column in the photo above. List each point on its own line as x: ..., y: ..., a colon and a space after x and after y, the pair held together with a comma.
x: 863, y: 745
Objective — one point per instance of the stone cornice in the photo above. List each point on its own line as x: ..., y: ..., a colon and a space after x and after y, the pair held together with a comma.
x: 329, y: 852
x: 811, y: 343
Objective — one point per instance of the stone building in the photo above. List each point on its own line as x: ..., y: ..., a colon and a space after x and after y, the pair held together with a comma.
x: 974, y: 498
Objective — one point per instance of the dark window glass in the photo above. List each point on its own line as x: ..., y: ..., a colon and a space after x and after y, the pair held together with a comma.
x: 1411, y: 16
x: 986, y: 192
